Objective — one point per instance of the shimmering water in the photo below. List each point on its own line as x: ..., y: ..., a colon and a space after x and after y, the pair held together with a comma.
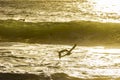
x: 85, y: 62
x: 61, y: 10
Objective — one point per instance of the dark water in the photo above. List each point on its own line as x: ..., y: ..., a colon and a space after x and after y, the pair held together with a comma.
x: 82, y: 32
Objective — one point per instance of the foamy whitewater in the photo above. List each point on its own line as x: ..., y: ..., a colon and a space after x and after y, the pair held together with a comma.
x: 85, y: 62
x: 61, y: 10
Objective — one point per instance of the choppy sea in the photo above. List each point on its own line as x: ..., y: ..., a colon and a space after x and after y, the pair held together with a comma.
x: 35, y: 61
x: 60, y: 10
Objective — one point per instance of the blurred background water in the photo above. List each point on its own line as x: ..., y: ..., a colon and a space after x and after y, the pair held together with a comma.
x: 60, y: 10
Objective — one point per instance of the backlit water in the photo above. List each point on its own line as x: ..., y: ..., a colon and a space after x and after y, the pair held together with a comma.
x: 61, y: 10
x: 84, y: 62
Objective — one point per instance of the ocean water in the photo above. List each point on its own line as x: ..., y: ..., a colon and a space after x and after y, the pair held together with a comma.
x: 82, y: 32
x: 85, y: 63
x: 60, y: 10
x: 29, y: 51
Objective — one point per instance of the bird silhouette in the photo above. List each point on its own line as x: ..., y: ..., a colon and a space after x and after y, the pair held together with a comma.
x: 68, y: 52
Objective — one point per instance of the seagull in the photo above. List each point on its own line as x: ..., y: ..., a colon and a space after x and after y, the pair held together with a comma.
x: 68, y: 52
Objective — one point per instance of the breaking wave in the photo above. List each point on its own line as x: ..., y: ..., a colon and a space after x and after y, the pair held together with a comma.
x: 85, y: 32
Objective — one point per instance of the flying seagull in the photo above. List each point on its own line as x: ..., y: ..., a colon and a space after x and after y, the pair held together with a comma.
x: 68, y: 52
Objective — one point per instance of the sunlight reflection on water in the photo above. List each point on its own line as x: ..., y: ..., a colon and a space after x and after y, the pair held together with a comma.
x: 85, y: 62
x: 63, y: 11
x: 107, y: 6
